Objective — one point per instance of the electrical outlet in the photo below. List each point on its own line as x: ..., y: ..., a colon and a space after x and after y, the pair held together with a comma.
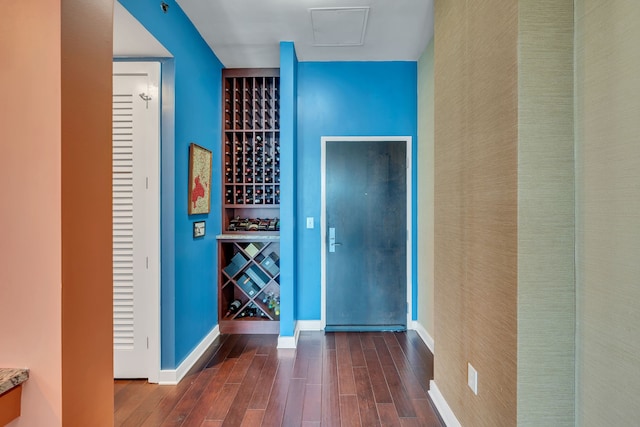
x: 309, y: 222
x: 472, y: 378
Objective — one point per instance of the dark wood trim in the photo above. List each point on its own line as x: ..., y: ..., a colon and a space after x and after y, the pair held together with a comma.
x: 249, y: 326
x: 251, y: 72
x: 10, y: 404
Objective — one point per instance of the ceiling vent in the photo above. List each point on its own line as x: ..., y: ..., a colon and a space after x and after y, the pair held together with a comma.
x: 339, y: 26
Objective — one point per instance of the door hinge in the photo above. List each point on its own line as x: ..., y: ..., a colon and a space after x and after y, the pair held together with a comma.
x: 147, y: 182
x: 147, y: 343
x: 147, y: 260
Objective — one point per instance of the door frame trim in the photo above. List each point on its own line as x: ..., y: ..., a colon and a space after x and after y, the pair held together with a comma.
x: 323, y: 217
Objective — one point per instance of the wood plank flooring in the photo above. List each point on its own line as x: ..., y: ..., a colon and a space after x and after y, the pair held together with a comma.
x: 331, y: 379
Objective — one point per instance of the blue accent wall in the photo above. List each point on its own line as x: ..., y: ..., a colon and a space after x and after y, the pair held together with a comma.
x: 345, y: 99
x: 288, y: 187
x: 189, y: 279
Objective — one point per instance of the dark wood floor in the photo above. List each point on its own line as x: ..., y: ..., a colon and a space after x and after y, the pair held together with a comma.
x: 331, y: 379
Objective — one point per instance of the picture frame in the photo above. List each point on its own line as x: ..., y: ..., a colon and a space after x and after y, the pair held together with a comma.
x: 198, y: 229
x: 200, y: 160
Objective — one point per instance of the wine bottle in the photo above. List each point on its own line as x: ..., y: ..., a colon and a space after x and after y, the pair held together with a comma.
x: 233, y: 307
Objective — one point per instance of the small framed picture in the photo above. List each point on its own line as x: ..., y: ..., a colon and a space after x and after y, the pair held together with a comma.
x: 199, y: 180
x: 198, y: 229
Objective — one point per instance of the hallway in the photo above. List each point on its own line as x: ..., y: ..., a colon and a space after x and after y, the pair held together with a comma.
x: 332, y: 379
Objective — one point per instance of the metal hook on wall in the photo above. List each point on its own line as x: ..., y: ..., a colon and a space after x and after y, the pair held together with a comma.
x: 146, y: 98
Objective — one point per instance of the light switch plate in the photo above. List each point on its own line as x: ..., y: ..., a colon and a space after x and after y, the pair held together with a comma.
x: 309, y: 222
x: 472, y: 378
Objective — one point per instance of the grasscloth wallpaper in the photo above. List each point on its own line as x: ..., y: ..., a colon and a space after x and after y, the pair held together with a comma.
x: 546, y: 284
x: 476, y: 207
x: 425, y: 189
x: 608, y: 212
x: 537, y: 201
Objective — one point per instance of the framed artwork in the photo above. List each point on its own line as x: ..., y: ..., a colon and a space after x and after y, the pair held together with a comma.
x: 199, y: 180
x: 198, y: 229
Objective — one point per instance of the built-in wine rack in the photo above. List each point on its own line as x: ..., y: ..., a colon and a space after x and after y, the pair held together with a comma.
x: 248, y: 248
x: 251, y: 139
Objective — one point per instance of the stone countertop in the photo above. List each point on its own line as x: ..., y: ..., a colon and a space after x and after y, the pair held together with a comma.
x: 251, y: 237
x: 10, y: 378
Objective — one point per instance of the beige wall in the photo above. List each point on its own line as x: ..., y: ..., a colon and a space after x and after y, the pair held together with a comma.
x: 55, y: 280
x: 608, y: 212
x: 87, y: 285
x: 425, y: 189
x: 476, y: 207
x: 30, y: 217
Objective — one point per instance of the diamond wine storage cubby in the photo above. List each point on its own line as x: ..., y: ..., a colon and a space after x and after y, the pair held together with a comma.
x: 249, y: 285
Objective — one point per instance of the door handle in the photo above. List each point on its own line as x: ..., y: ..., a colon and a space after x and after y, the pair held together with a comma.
x: 332, y: 240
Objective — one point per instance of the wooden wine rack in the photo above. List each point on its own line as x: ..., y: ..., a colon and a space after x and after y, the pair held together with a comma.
x: 252, y: 277
x: 250, y: 200
x: 251, y: 139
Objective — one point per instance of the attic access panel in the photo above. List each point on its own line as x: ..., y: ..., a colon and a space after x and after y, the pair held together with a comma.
x: 339, y: 26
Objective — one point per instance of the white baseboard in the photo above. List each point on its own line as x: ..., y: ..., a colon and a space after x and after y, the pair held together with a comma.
x: 422, y: 332
x: 173, y: 376
x: 310, y: 325
x: 290, y: 342
x: 442, y: 406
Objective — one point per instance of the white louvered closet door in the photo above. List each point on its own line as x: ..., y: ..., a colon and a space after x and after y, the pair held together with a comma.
x: 135, y: 217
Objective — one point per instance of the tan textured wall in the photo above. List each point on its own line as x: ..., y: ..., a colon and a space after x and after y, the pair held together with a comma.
x: 87, y: 289
x: 55, y: 178
x: 546, y: 284
x: 476, y: 207
x: 425, y: 189
x: 608, y: 212
x: 30, y: 246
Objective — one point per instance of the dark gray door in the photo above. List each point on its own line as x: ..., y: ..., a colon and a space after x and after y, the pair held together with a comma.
x: 366, y: 256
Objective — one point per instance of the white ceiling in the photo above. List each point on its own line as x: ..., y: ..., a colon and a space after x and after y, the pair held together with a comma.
x: 247, y: 33
x: 131, y: 39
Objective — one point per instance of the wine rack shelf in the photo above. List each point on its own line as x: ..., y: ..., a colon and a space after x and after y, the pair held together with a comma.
x: 248, y: 282
x: 250, y: 286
